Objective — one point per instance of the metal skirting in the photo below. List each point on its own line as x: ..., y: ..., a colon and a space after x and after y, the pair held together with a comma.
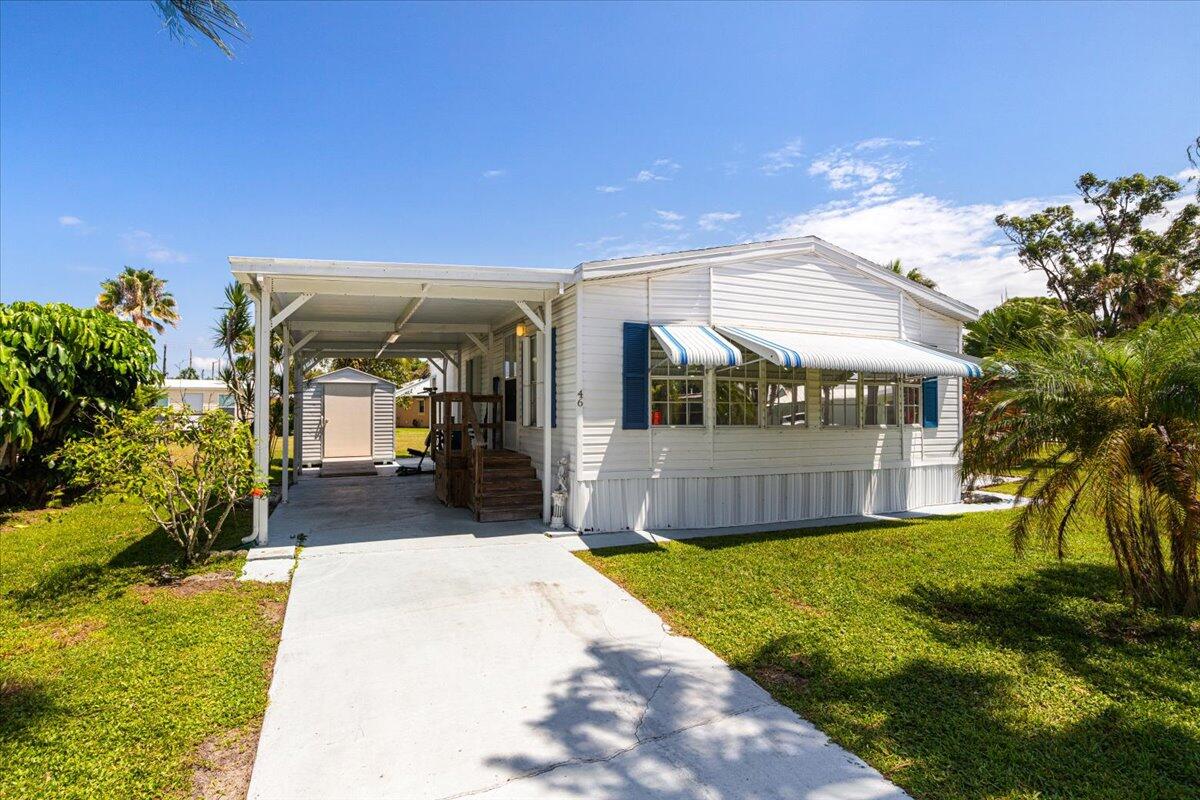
x: 703, y: 502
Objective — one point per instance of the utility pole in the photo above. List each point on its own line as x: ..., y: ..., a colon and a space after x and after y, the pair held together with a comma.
x: 164, y: 364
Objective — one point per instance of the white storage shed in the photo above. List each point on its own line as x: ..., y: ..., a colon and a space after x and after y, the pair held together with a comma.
x: 347, y: 415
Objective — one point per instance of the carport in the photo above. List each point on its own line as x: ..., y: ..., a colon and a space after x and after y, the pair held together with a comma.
x: 362, y: 309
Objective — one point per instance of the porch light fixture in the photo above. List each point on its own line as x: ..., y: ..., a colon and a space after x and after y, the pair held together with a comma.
x: 522, y: 330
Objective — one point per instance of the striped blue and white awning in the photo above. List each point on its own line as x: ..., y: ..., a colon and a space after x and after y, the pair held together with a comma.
x: 696, y: 345
x: 857, y: 353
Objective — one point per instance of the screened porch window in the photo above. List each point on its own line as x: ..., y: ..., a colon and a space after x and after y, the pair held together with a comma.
x: 785, y: 396
x: 839, y: 399
x: 738, y: 392
x: 910, y: 388
x: 676, y: 392
x: 531, y: 378
x: 879, y: 400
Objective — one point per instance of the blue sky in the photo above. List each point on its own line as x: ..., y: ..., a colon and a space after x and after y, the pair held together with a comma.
x: 543, y: 135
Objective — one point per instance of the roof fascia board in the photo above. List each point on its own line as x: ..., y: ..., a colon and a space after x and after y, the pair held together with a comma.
x: 358, y: 287
x: 437, y: 273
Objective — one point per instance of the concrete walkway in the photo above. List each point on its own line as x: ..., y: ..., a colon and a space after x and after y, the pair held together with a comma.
x: 426, y: 656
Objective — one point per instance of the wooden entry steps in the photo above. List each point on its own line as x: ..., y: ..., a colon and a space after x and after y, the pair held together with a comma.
x: 505, y: 487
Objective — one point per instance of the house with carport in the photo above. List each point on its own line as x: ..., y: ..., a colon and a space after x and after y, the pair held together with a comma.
x: 751, y: 384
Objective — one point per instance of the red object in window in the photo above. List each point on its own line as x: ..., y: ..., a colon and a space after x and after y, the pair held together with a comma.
x: 656, y: 417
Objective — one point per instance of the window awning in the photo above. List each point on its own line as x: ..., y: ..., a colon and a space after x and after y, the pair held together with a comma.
x: 858, y: 353
x: 696, y: 345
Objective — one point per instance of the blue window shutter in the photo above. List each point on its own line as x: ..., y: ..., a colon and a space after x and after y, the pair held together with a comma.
x: 554, y: 377
x: 929, y: 403
x: 635, y: 377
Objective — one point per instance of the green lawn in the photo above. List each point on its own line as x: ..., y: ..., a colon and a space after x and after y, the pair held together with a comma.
x: 111, y: 685
x: 955, y: 668
x: 410, y: 437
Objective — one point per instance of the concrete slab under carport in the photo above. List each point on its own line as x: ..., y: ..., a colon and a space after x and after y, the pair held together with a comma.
x: 426, y: 656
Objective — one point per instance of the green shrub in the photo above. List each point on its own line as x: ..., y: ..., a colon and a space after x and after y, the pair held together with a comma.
x: 189, y: 471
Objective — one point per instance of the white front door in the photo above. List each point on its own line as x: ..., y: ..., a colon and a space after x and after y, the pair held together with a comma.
x: 347, y: 420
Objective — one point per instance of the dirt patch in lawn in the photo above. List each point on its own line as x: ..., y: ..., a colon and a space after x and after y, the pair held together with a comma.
x: 188, y: 586
x: 772, y: 675
x: 272, y: 611
x: 800, y: 605
x: 224, y: 763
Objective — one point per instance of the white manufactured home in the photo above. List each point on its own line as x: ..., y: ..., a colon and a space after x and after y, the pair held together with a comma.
x: 751, y: 384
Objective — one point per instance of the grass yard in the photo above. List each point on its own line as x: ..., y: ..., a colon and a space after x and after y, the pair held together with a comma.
x: 410, y: 437
x: 953, y: 667
x: 112, y: 685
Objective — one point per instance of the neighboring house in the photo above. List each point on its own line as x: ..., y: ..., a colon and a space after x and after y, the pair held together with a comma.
x: 412, y: 403
x: 347, y: 415
x: 199, y: 395
x: 757, y: 383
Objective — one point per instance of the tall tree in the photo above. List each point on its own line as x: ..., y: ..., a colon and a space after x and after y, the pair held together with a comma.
x: 397, y: 370
x: 915, y: 275
x: 233, y: 333
x: 140, y: 296
x: 214, y: 19
x: 1110, y: 426
x: 61, y: 370
x: 1114, y: 267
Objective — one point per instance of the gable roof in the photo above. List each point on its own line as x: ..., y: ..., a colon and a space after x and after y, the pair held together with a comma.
x: 684, y: 260
x: 351, y: 375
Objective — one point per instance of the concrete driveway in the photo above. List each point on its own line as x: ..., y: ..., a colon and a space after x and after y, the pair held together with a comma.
x: 429, y: 657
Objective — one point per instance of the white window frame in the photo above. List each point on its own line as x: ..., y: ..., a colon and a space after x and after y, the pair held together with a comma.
x: 796, y: 377
x: 531, y: 380
x: 910, y: 383
x: 663, y: 371
x: 883, y: 380
x: 752, y: 374
x: 858, y: 413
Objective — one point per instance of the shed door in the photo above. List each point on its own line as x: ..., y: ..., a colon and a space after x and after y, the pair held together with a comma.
x: 194, y: 401
x: 348, y: 420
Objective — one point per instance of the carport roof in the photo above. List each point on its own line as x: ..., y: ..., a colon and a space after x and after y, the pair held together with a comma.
x: 389, y: 309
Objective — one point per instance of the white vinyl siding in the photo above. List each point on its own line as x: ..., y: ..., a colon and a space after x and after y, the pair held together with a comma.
x: 639, y: 478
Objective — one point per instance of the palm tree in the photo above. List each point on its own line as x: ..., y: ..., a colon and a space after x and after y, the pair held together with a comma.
x: 140, y: 296
x: 234, y: 334
x: 1110, y: 426
x: 214, y: 19
x: 915, y: 275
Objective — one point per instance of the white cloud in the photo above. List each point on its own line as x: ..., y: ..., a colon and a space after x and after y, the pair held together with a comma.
x: 151, y: 248
x: 606, y: 189
x: 880, y: 142
x: 870, y: 168
x: 494, y: 173
x: 783, y: 159
x: 669, y: 216
x: 714, y: 220
x: 959, y: 246
x: 205, y: 364
x: 661, y: 170
x: 68, y: 221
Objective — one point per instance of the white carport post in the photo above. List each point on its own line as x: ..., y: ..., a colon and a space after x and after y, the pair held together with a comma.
x: 286, y: 400
x: 547, y: 401
x: 262, y: 404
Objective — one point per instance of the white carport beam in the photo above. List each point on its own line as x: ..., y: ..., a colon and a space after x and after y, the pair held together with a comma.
x: 547, y: 400
x: 262, y: 388
x: 541, y: 326
x: 478, y: 343
x: 286, y: 402
x: 403, y: 319
x: 358, y: 326
x: 305, y: 339
x: 446, y: 355
x: 290, y: 309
